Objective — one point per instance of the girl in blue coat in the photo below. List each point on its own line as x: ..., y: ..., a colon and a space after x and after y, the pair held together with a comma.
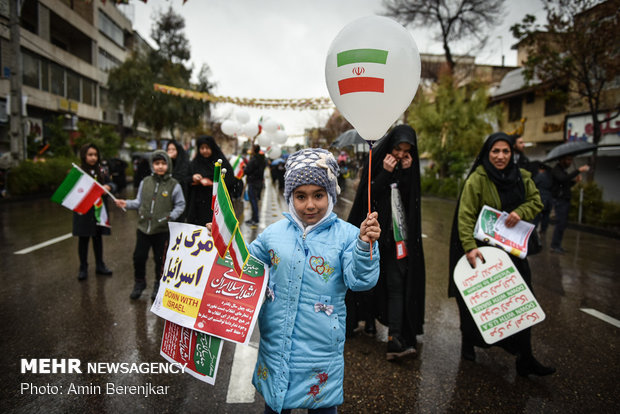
x: 315, y: 257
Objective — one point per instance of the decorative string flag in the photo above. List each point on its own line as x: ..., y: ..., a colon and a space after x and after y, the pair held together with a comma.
x: 225, y: 226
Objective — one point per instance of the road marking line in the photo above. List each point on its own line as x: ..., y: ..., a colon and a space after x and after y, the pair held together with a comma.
x: 240, y: 388
x: 602, y: 316
x: 44, y: 244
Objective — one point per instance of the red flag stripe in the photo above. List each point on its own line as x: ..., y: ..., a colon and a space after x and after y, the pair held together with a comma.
x: 360, y: 84
x: 87, y: 202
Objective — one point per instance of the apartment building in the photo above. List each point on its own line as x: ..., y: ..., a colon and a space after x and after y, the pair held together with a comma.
x: 67, y: 48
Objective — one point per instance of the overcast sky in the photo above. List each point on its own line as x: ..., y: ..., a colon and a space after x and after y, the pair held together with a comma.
x: 277, y: 48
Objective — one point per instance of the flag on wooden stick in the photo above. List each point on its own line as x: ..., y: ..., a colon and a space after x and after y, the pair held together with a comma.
x: 78, y: 192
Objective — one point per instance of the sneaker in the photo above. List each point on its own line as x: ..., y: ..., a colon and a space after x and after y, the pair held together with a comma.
x: 138, y: 287
x: 252, y: 223
x: 398, y: 348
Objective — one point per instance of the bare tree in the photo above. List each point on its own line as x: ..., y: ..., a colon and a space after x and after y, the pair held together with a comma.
x: 457, y: 19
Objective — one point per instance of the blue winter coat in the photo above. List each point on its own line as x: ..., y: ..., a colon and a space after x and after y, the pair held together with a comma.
x: 300, y: 359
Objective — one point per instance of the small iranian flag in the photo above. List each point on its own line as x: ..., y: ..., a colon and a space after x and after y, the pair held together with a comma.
x: 373, y: 60
x: 238, y: 167
x: 101, y: 214
x: 238, y: 252
x: 78, y: 192
x: 225, y: 226
x: 224, y: 221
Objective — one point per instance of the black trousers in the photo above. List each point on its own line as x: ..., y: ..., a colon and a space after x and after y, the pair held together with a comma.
x: 144, y: 242
x: 395, y: 278
x: 83, y: 251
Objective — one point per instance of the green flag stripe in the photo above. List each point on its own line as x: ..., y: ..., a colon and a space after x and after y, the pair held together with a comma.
x: 362, y: 55
x: 243, y: 251
x: 216, y: 173
x: 67, y: 185
x: 225, y: 205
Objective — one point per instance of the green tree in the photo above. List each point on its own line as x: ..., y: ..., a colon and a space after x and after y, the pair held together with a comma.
x: 577, y: 45
x: 457, y: 19
x: 131, y: 84
x: 452, y: 125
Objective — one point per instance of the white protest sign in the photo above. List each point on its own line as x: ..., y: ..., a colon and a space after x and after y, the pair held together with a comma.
x: 496, y: 295
x: 201, y: 291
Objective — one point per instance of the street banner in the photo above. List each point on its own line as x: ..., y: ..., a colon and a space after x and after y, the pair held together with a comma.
x: 491, y: 229
x: 496, y: 295
x: 199, y: 353
x: 201, y: 291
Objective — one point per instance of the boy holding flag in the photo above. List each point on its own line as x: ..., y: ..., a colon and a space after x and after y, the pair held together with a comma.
x: 160, y: 200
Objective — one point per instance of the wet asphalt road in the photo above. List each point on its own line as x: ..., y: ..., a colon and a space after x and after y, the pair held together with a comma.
x: 47, y: 313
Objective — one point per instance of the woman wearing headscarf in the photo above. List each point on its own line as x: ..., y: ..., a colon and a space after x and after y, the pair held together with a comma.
x: 180, y: 168
x: 87, y: 226
x: 495, y: 181
x: 202, y: 169
x: 398, y: 299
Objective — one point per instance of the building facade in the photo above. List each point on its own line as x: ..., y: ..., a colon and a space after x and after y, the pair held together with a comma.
x: 67, y: 48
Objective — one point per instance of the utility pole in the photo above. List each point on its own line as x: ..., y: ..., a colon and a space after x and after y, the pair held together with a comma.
x: 18, y: 144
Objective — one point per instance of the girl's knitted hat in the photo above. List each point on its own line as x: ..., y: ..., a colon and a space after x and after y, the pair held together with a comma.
x: 311, y: 166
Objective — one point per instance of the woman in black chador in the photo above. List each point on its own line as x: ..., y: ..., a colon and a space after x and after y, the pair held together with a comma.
x: 398, y: 299
x: 85, y: 226
x: 202, y: 168
x: 496, y: 181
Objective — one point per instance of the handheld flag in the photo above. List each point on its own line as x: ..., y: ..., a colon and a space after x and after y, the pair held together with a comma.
x: 78, y: 192
x: 238, y: 167
x: 101, y: 214
x: 225, y: 226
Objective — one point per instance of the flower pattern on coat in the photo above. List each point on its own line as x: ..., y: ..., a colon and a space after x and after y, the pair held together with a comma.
x: 318, y: 264
x: 275, y: 259
x: 315, y: 389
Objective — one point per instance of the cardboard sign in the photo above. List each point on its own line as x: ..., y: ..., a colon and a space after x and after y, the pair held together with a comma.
x: 496, y: 295
x: 201, y: 352
x: 201, y: 291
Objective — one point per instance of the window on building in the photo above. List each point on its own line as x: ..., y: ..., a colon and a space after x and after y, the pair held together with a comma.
x: 105, y: 61
x: 45, y: 75
x: 514, y: 109
x: 111, y: 29
x: 30, y: 64
x: 554, y: 105
x: 89, y: 92
x: 530, y: 97
x: 73, y: 86
x: 57, y: 73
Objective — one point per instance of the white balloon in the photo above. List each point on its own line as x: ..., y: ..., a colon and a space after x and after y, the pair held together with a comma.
x: 250, y: 129
x: 270, y: 126
x: 280, y: 137
x: 264, y: 140
x: 274, y: 152
x: 242, y: 116
x: 372, y: 73
x: 230, y: 127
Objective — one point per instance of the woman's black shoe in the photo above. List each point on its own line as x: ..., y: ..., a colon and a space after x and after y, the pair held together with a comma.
x: 103, y: 270
x: 82, y: 275
x: 527, y: 366
x: 467, y: 351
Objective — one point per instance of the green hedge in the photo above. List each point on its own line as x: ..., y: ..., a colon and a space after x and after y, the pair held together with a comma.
x: 38, y: 177
x: 595, y: 211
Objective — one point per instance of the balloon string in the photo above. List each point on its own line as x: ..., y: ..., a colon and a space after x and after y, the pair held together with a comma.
x: 369, y: 170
